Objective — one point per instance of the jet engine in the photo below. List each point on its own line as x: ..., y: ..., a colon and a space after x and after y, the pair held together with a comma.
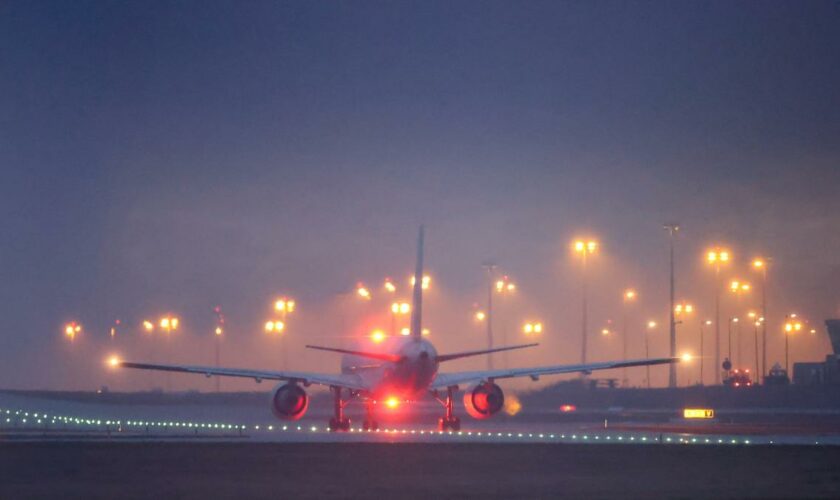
x: 289, y: 402
x: 484, y: 400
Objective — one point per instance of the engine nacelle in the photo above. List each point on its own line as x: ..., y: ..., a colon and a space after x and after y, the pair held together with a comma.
x: 289, y: 402
x: 484, y: 400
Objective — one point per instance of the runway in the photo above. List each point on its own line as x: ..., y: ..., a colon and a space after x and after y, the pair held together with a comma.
x: 24, y: 418
x: 384, y: 470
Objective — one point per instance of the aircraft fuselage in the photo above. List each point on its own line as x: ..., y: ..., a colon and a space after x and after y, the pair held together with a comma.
x: 408, y: 378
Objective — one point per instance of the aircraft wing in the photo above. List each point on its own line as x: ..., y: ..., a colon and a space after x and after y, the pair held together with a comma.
x: 444, y: 380
x: 348, y: 381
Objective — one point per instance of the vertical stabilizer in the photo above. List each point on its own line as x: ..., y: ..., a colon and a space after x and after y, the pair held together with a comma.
x: 417, y: 297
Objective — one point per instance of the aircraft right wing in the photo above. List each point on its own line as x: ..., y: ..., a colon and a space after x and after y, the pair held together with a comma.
x: 444, y: 380
x: 348, y: 381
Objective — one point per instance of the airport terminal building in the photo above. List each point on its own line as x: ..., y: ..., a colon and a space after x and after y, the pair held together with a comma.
x: 822, y: 373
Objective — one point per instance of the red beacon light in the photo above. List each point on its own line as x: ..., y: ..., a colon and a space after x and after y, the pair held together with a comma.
x: 568, y: 408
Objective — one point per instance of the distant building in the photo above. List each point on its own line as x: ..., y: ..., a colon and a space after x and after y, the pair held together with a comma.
x: 825, y: 373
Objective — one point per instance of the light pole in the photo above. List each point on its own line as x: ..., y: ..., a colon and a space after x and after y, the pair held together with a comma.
x: 286, y: 306
x: 716, y: 257
x: 757, y: 321
x: 584, y: 249
x: 791, y: 325
x: 738, y: 288
x: 71, y: 330
x: 167, y: 324
x: 628, y: 297
x: 672, y: 230
x: 490, y: 268
x: 729, y: 332
x: 504, y: 286
x: 396, y: 309
x: 760, y: 264
x: 220, y: 324
x: 680, y: 310
x: 650, y: 326
x: 702, y: 359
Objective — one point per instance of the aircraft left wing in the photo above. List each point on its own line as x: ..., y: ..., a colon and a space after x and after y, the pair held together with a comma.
x: 348, y: 381
x: 444, y: 380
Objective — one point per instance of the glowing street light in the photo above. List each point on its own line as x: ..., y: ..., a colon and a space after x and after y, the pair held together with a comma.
x: 363, y: 292
x: 274, y: 326
x: 584, y: 248
x: 113, y: 332
x: 389, y: 286
x: 505, y: 285
x: 377, y: 336
x: 148, y: 326
x: 169, y: 323
x: 791, y: 326
x: 717, y: 257
x: 480, y: 316
x: 398, y: 308
x: 71, y: 330
x: 425, y: 284
x: 532, y: 328
x: 284, y: 305
x: 683, y: 308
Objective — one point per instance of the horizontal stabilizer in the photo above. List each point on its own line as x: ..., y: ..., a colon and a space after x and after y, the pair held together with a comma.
x: 372, y: 355
x: 449, y: 357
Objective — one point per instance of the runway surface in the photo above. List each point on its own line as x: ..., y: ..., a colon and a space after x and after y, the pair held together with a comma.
x: 27, y: 418
x: 444, y: 470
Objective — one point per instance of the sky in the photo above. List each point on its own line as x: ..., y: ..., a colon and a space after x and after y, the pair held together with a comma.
x: 167, y: 157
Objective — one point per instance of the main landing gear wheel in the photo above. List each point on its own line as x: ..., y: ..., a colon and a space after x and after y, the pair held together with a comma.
x: 339, y: 425
x: 449, y: 424
x: 370, y: 425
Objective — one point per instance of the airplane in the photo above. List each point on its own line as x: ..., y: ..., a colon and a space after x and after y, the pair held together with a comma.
x: 404, y: 367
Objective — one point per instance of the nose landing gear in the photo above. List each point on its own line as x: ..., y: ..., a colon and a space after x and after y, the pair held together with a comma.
x: 448, y: 422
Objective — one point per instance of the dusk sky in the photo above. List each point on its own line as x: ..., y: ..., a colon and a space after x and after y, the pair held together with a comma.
x: 170, y: 156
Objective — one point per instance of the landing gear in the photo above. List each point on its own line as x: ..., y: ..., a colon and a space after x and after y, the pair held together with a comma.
x: 339, y: 422
x: 448, y: 422
x: 369, y: 424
